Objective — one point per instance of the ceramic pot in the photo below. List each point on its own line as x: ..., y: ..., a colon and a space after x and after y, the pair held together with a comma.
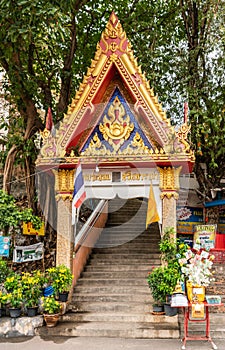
x: 170, y: 311
x: 63, y: 296
x: 158, y: 309
x: 51, y: 320
x: 32, y: 311
x: 15, y: 312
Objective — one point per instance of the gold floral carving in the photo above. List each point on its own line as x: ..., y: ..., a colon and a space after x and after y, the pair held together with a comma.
x: 116, y: 127
x: 64, y: 183
x: 136, y: 147
x: 48, y: 148
x: 182, y: 136
x: 169, y: 181
x: 96, y: 148
x: 115, y: 49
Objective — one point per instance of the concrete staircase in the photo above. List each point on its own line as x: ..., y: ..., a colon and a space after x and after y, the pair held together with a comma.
x: 112, y: 298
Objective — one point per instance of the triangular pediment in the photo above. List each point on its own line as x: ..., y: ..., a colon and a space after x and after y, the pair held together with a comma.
x: 115, y: 112
x: 117, y: 131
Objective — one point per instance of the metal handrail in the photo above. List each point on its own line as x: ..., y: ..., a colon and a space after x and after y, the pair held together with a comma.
x: 89, y: 224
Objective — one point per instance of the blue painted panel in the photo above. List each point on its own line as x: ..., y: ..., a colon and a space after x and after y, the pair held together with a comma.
x: 137, y: 128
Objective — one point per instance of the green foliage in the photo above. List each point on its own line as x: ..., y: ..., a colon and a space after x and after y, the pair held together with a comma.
x: 31, y: 288
x: 15, y: 298
x: 50, y: 305
x: 162, y: 281
x: 4, y: 270
x: 12, y: 216
x: 3, y: 298
x: 46, y: 47
x: 12, y: 282
x: 60, y: 278
x: 26, y: 288
x: 171, y: 248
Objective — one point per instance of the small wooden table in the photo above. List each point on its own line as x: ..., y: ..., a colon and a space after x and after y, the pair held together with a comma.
x: 187, y: 319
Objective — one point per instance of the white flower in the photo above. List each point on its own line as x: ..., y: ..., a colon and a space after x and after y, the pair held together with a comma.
x: 197, y: 268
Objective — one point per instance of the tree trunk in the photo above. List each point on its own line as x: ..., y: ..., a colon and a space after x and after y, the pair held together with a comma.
x: 8, y: 169
x: 29, y: 168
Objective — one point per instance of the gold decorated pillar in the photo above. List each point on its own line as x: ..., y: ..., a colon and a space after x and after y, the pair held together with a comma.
x: 65, y: 240
x: 169, y: 186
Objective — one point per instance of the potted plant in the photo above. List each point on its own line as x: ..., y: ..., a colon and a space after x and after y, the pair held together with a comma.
x: 31, y: 293
x: 12, y: 282
x: 50, y: 276
x: 162, y: 281
x: 62, y: 282
x: 41, y: 278
x: 3, y: 302
x: 15, y: 299
x: 4, y: 271
x: 51, y: 309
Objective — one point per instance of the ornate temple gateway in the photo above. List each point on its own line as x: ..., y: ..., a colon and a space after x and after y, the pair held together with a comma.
x: 118, y: 130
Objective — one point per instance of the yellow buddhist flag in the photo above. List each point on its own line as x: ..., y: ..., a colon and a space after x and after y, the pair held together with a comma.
x: 152, y: 213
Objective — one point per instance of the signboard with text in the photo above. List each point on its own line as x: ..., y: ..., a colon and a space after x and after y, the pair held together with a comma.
x: 204, y: 237
x: 28, y: 253
x: 4, y: 246
x: 188, y: 218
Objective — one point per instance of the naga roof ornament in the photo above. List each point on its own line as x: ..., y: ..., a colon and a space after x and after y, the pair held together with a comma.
x: 115, y: 114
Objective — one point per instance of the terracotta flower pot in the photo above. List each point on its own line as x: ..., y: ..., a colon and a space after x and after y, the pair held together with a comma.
x: 51, y: 320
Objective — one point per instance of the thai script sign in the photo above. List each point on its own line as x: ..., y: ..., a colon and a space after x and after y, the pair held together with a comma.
x: 188, y: 218
x: 204, y: 236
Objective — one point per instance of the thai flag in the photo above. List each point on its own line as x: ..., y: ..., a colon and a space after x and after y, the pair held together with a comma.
x: 79, y: 193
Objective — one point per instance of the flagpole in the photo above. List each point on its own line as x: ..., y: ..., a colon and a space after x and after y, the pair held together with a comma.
x: 75, y: 227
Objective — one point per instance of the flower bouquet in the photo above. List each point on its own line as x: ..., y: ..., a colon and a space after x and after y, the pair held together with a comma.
x: 196, y: 266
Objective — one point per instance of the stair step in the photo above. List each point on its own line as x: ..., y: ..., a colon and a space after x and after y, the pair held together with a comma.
x: 116, y: 298
x: 112, y: 297
x: 117, y: 274
x: 111, y: 306
x: 88, y: 289
x: 117, y: 317
x: 108, y: 257
x: 129, y: 250
x: 112, y: 330
x: 112, y: 282
x: 117, y: 267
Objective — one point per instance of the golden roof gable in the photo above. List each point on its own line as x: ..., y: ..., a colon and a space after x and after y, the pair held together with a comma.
x: 114, y: 52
